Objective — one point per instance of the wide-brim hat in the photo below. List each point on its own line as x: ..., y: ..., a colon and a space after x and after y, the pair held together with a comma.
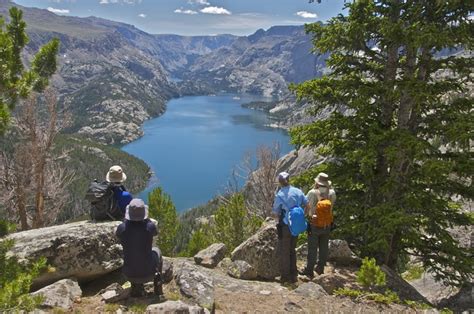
x: 136, y: 210
x: 116, y: 174
x: 322, y: 179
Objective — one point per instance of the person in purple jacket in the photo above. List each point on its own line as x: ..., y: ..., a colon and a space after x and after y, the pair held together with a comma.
x: 141, y: 261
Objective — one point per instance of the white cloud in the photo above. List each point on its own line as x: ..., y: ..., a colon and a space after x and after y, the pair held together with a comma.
x: 201, y: 2
x: 142, y: 15
x: 307, y: 15
x: 58, y: 11
x: 182, y: 11
x: 216, y: 10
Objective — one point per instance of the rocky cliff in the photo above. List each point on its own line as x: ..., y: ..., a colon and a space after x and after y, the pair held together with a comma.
x: 108, y: 75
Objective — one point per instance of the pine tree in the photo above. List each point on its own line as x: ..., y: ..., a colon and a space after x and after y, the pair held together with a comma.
x: 15, y: 81
x: 400, y: 129
x: 163, y: 210
x: 234, y: 223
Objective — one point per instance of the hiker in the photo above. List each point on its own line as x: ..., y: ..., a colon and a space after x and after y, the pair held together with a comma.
x: 286, y: 198
x: 141, y: 262
x: 115, y: 176
x: 321, y: 201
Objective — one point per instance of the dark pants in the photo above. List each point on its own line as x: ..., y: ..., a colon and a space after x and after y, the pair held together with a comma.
x: 318, y: 240
x: 137, y: 283
x: 287, y: 253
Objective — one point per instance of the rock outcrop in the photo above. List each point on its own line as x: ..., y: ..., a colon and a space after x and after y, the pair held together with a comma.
x: 260, y: 251
x: 81, y: 250
x: 195, y: 285
x: 211, y: 256
x: 60, y: 294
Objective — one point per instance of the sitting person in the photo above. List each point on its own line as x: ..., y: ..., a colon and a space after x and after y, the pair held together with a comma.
x: 122, y: 197
x: 141, y: 262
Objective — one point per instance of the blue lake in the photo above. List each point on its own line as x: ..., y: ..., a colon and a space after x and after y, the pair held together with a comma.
x: 193, y: 147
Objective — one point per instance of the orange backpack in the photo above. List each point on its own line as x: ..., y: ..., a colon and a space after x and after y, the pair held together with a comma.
x: 324, y: 217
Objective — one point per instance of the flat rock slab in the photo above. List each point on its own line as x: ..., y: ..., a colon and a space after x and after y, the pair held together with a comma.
x: 60, y: 294
x: 178, y: 307
x: 81, y: 250
x: 310, y: 290
x: 194, y: 284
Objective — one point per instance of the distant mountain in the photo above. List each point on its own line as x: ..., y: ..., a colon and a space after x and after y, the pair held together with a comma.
x: 109, y: 75
x: 262, y: 63
x: 178, y: 53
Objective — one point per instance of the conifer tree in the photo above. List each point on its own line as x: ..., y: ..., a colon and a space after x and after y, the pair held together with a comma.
x: 163, y: 210
x: 15, y: 81
x: 400, y: 129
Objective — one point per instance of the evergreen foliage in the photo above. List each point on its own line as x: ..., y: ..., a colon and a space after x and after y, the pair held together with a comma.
x: 162, y: 209
x: 15, y: 81
x: 370, y: 275
x: 15, y: 278
x: 399, y: 132
x: 232, y: 225
x: 200, y: 239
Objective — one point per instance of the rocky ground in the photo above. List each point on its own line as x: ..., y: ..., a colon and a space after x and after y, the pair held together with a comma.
x: 85, y: 261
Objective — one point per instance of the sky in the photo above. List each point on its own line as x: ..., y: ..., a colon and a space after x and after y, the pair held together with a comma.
x: 196, y: 17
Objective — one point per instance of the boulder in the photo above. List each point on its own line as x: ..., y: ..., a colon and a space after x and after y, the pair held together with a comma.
x: 310, y: 290
x: 341, y: 254
x: 60, y: 294
x: 241, y: 270
x: 114, y: 293
x: 167, y: 270
x: 401, y: 287
x: 260, y: 251
x: 82, y: 250
x: 177, y: 307
x: 211, y: 256
x: 463, y: 301
x: 194, y: 284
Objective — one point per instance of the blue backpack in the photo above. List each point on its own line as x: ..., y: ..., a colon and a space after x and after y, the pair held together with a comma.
x: 295, y: 219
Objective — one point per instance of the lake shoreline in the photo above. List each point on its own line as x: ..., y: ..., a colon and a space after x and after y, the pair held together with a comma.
x: 220, y: 121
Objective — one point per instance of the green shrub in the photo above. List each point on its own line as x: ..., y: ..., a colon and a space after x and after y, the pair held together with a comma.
x: 15, y: 281
x: 413, y: 272
x: 200, y: 239
x: 370, y: 275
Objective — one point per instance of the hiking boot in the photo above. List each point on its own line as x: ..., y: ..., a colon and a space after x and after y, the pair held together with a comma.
x: 307, y: 273
x: 137, y: 290
x: 319, y: 270
x: 158, y: 285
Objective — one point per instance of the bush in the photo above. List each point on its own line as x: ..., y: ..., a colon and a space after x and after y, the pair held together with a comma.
x: 370, y: 275
x: 232, y: 225
x: 16, y: 279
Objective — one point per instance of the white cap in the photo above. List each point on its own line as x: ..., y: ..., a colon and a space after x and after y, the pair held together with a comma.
x: 283, y: 175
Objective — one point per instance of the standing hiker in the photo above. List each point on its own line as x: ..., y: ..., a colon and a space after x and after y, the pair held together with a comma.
x: 287, y: 198
x: 141, y: 262
x: 321, y: 201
